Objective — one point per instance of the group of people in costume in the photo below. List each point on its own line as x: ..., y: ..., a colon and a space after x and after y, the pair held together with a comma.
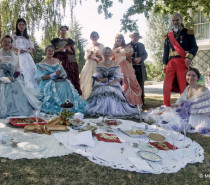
x: 111, y: 82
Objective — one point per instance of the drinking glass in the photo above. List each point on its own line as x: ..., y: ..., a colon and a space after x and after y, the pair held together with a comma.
x: 139, y: 106
x: 36, y: 114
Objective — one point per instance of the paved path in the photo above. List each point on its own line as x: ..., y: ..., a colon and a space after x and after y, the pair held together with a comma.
x: 154, y: 89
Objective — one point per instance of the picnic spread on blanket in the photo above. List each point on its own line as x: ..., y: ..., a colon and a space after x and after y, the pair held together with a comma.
x: 116, y: 143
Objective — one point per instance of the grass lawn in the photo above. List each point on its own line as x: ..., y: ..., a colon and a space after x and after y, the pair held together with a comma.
x: 75, y: 169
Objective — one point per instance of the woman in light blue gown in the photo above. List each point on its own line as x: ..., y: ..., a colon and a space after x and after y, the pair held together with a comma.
x: 55, y: 87
x: 107, y: 98
x: 15, y: 98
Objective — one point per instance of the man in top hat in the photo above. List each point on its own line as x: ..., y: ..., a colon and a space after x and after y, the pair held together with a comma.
x: 179, y: 49
x: 138, y: 59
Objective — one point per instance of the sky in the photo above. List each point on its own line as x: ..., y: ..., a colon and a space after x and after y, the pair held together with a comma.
x: 89, y: 19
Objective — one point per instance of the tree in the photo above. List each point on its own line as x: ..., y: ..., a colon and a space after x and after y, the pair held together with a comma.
x: 32, y: 11
x: 159, y: 25
x: 76, y: 35
x: 187, y: 8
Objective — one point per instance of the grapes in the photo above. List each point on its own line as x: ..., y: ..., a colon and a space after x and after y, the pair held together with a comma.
x: 66, y: 114
x: 67, y: 104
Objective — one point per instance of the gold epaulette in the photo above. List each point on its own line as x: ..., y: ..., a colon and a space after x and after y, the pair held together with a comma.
x: 165, y: 36
x: 190, y: 32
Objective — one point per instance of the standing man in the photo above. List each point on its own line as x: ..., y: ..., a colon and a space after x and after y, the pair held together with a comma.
x: 179, y: 49
x: 138, y: 59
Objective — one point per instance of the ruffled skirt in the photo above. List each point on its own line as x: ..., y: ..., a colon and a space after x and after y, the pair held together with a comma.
x: 56, y: 93
x: 109, y: 101
x: 132, y: 89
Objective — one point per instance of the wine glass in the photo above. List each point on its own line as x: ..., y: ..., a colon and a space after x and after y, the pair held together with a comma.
x: 186, y: 128
x: 139, y: 106
x: 36, y: 114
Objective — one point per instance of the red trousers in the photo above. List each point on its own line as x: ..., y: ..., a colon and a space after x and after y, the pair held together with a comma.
x: 175, y: 68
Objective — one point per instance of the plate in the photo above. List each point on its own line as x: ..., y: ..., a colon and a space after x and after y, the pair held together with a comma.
x: 34, y: 148
x: 21, y: 122
x: 88, y: 127
x: 129, y: 133
x: 149, y: 156
x: 76, y: 124
x: 112, y: 122
x: 147, y: 147
x: 156, y: 137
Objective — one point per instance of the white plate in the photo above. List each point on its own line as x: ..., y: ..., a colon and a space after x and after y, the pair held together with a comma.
x: 149, y: 156
x: 147, y: 147
x: 34, y: 148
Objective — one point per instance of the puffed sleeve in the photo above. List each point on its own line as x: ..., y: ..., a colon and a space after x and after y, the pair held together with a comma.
x: 14, y: 37
x: 118, y: 73
x: 129, y: 51
x: 97, y: 73
x: 40, y: 72
x: 202, y: 104
x: 87, y: 52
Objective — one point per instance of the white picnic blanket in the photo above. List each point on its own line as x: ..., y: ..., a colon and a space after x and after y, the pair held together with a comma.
x: 115, y: 155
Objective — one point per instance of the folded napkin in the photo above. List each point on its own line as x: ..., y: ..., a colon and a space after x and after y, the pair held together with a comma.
x: 140, y: 164
x: 78, y: 115
x: 83, y: 138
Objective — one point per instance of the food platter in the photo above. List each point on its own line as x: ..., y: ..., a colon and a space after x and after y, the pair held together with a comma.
x: 156, y: 137
x: 21, y: 122
x: 137, y: 134
x: 112, y: 122
x: 149, y: 156
x: 147, y: 147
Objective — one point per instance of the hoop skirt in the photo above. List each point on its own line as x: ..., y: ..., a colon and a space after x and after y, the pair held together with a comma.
x: 194, y: 111
x: 109, y: 100
x: 56, y: 91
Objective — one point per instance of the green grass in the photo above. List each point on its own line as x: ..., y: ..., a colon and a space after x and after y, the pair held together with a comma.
x: 76, y: 169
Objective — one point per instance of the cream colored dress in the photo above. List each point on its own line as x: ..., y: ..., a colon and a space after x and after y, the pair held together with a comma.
x: 89, y: 68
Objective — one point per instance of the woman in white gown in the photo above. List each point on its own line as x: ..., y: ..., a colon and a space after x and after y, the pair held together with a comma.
x: 192, y: 108
x: 23, y: 46
x: 93, y: 55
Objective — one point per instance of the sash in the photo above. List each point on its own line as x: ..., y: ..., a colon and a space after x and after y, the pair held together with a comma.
x: 176, y: 45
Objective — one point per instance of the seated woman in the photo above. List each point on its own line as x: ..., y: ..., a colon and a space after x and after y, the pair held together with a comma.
x: 107, y: 98
x: 55, y: 87
x: 15, y: 98
x: 192, y: 108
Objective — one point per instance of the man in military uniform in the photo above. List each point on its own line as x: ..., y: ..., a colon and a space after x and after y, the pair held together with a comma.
x: 138, y: 59
x: 179, y: 49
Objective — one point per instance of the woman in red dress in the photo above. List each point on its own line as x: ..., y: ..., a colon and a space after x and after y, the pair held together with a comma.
x: 65, y: 52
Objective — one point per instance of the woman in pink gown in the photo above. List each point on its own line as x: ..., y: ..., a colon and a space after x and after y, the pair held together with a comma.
x: 122, y: 55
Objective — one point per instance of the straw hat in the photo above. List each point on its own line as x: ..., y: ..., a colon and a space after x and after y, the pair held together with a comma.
x: 135, y: 33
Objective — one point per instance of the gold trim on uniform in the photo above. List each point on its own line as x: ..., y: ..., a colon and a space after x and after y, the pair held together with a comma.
x: 190, y: 32
x: 189, y: 55
x: 175, y: 53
